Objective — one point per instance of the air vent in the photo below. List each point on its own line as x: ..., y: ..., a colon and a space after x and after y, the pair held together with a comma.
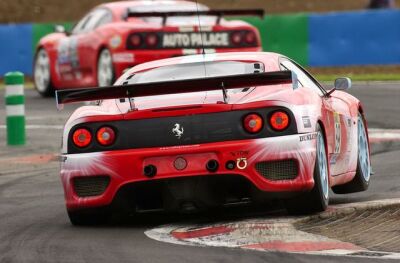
x: 278, y: 170
x: 91, y: 186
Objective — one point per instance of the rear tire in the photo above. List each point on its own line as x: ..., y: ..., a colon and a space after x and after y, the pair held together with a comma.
x: 362, y: 178
x: 105, y: 69
x: 317, y: 199
x: 42, y: 74
x: 89, y: 217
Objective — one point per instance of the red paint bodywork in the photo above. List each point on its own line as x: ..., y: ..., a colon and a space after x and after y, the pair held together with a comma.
x: 87, y: 45
x: 126, y: 166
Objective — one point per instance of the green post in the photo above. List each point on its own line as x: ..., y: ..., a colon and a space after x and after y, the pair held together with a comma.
x: 15, y: 108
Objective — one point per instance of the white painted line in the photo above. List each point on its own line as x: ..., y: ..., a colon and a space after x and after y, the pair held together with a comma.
x: 38, y: 127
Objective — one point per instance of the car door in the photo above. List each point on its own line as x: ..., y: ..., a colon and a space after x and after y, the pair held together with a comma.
x: 336, y: 114
x: 78, y: 53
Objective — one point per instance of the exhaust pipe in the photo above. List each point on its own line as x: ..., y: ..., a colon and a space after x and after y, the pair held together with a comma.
x: 150, y: 171
x: 212, y: 166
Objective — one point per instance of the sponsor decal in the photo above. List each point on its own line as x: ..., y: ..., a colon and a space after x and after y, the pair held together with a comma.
x: 306, y: 122
x: 115, y: 41
x: 179, y: 147
x: 333, y: 159
x: 178, y: 130
x: 68, y: 53
x: 241, y: 163
x: 195, y: 39
x: 189, y: 51
x: 186, y: 29
x: 338, y: 136
x: 124, y: 57
x: 240, y: 153
x: 349, y: 122
x: 308, y: 137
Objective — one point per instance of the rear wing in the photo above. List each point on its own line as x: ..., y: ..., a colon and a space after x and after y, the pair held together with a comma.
x: 217, y: 13
x: 175, y: 86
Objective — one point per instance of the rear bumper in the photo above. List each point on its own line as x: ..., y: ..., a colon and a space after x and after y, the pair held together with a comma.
x: 126, y: 166
x: 126, y: 59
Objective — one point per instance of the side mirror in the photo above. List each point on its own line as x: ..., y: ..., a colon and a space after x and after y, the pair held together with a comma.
x: 60, y: 29
x: 342, y: 83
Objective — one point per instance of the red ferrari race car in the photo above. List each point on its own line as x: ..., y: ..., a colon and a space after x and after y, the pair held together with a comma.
x: 196, y: 132
x: 116, y: 36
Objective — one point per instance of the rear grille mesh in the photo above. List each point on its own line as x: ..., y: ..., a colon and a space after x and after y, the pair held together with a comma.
x: 278, y: 170
x: 91, y: 186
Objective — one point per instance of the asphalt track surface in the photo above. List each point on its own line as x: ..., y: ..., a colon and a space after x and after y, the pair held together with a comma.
x: 34, y: 226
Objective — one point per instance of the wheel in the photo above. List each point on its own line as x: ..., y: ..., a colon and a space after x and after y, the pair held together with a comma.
x: 362, y: 178
x: 105, y: 70
x: 317, y: 199
x: 41, y: 74
x: 89, y: 217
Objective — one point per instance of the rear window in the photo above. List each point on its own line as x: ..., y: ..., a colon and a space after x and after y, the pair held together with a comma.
x: 195, y: 70
x: 173, y: 7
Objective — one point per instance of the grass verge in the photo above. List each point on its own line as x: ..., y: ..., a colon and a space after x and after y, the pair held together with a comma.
x: 359, y: 77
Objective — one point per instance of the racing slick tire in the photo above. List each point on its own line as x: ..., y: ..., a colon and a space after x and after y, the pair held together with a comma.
x: 105, y: 69
x: 89, y: 217
x: 362, y: 178
x: 42, y: 74
x: 317, y: 199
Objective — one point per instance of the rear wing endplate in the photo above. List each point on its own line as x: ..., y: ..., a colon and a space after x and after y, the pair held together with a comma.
x: 218, y: 13
x: 175, y: 87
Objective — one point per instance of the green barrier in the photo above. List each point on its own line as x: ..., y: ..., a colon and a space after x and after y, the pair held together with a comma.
x: 41, y: 29
x: 285, y: 34
x: 15, y: 108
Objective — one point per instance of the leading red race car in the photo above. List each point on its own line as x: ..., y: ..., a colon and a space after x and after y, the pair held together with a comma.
x: 200, y: 131
x: 116, y: 36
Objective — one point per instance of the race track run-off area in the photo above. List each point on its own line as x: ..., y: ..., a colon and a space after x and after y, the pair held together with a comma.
x: 360, y: 227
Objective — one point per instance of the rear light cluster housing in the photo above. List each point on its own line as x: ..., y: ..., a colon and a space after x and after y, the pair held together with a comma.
x: 278, y: 121
x: 104, y: 136
x: 243, y: 38
x: 143, y: 40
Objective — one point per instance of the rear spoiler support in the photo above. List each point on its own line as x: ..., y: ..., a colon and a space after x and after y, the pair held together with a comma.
x: 217, y: 13
x: 176, y: 87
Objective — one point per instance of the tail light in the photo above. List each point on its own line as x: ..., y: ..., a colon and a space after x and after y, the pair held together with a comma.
x: 105, y: 136
x: 253, y: 123
x: 236, y: 38
x: 279, y: 120
x: 82, y: 137
x: 151, y: 39
x: 135, y: 40
x: 250, y: 37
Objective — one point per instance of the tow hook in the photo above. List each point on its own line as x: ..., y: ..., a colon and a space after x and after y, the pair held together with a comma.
x: 241, y: 163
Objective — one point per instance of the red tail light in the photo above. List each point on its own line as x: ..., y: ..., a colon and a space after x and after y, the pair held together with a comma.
x: 250, y: 37
x: 105, y: 136
x: 136, y: 40
x: 236, y: 38
x: 82, y: 137
x: 151, y: 40
x: 253, y: 123
x: 279, y: 120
